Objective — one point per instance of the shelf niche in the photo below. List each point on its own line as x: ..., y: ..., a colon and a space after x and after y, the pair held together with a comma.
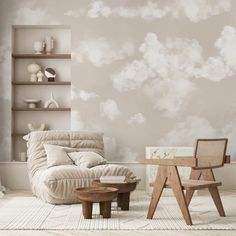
x: 23, y: 38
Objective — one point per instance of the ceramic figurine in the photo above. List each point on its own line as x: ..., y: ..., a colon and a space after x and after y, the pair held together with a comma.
x: 33, y: 70
x: 51, y: 103
x: 50, y: 74
x: 40, y: 76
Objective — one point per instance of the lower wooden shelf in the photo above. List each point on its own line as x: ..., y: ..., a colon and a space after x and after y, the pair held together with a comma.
x: 18, y: 134
x: 40, y: 109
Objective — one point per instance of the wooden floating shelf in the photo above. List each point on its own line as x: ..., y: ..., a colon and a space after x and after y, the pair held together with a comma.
x: 18, y: 134
x: 41, y: 83
x: 40, y: 109
x: 42, y: 56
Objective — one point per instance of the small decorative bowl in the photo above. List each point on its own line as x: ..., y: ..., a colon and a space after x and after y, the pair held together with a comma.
x: 32, y: 103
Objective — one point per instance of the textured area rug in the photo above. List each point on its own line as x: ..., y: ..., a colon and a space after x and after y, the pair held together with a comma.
x: 31, y: 213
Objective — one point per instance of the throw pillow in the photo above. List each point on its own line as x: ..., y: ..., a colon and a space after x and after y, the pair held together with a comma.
x: 56, y: 155
x: 87, y: 159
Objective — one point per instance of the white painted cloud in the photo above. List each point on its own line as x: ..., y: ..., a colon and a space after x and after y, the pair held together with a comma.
x: 100, y: 52
x: 171, y: 68
x: 76, y: 121
x: 226, y: 44
x: 113, y: 152
x: 194, y: 10
x: 175, y: 55
x: 131, y: 76
x: 126, y: 154
x: 78, y: 13
x: 167, y: 94
x: 30, y: 16
x: 109, y: 109
x: 85, y: 96
x: 187, y: 131
x: 137, y: 118
x: 214, y: 69
x: 229, y: 131
x: 110, y: 148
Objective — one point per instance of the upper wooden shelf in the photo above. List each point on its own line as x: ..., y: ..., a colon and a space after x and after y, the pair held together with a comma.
x: 42, y: 56
x: 40, y: 109
x: 41, y: 83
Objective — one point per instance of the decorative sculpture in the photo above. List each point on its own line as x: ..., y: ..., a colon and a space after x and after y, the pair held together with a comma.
x: 50, y: 74
x: 51, y: 103
x: 40, y: 76
x: 33, y: 69
x: 40, y: 128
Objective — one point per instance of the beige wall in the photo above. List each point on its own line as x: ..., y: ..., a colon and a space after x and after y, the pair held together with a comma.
x: 144, y: 74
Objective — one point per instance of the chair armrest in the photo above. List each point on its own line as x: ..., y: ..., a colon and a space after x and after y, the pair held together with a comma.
x: 227, y: 159
x: 177, y: 161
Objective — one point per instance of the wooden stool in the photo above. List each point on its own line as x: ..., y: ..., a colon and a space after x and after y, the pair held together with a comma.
x: 124, y: 190
x: 103, y: 195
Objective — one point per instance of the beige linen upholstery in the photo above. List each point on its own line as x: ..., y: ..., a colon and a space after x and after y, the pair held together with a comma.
x: 56, y: 156
x: 87, y: 159
x: 56, y: 185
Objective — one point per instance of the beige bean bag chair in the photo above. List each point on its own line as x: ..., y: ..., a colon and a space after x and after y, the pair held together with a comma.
x: 56, y: 184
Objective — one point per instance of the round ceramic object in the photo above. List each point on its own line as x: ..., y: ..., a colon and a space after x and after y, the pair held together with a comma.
x: 32, y: 103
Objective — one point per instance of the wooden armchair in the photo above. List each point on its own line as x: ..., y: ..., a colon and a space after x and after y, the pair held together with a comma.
x: 209, y: 154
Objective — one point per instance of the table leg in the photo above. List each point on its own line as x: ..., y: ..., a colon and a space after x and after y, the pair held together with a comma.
x: 175, y: 182
x: 105, y: 209
x: 101, y: 207
x: 123, y: 201
x: 158, y: 187
x: 87, y: 209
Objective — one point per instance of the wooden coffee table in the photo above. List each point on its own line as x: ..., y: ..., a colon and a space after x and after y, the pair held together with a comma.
x: 103, y: 195
x: 124, y: 190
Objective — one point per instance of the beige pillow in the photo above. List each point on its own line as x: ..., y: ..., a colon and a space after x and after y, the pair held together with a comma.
x: 56, y: 155
x: 87, y: 159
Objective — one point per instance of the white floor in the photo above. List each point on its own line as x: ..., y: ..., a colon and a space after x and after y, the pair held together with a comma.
x: 112, y: 233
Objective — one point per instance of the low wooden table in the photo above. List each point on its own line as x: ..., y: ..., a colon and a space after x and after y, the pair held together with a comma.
x: 103, y: 195
x: 124, y: 190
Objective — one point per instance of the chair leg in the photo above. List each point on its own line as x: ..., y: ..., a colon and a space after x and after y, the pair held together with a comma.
x: 157, y: 190
x: 217, y: 200
x: 179, y: 193
x: 209, y: 175
x: 195, y: 175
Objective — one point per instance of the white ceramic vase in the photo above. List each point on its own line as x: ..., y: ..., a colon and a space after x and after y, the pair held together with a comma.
x: 39, y: 47
x: 49, y: 44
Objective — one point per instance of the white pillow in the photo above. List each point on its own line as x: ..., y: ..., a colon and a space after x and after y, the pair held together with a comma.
x: 87, y: 159
x: 56, y: 155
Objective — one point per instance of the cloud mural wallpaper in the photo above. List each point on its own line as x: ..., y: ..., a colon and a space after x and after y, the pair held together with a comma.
x: 143, y: 72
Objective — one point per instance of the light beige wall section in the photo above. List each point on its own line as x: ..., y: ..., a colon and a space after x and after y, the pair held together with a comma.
x: 145, y: 74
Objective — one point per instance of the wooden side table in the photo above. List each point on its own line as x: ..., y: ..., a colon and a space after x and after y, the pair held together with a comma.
x: 103, y: 195
x: 124, y: 189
